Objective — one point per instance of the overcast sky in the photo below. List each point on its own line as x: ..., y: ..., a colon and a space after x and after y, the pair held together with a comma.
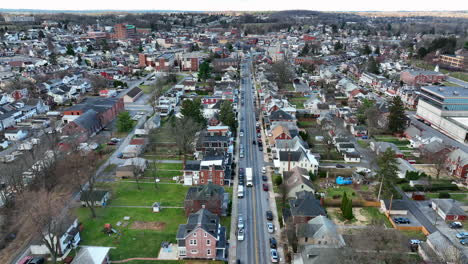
x: 241, y: 5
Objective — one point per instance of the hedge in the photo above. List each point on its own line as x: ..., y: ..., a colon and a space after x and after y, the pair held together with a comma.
x: 432, y: 188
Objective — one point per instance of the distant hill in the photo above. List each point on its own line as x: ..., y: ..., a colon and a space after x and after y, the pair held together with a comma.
x: 459, y: 14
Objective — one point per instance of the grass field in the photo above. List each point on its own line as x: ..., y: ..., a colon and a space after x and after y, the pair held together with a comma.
x: 363, y: 143
x: 298, y: 101
x: 340, y: 191
x: 130, y: 242
x: 127, y: 193
x: 374, y: 215
x: 392, y: 139
x: 304, y: 124
x: 169, y: 166
x: 462, y: 197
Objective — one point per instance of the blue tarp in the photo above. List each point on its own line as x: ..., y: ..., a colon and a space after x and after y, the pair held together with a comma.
x: 343, y: 181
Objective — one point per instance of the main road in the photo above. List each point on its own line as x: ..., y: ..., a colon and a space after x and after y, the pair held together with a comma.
x: 254, y: 249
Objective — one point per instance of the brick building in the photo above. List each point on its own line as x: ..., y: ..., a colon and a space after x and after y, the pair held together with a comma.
x: 457, y: 164
x: 124, y: 31
x: 207, y: 196
x: 202, y: 237
x: 222, y: 64
x: 421, y: 77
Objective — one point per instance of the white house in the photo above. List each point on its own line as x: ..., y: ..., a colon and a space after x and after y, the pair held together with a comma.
x: 16, y: 134
x: 92, y: 255
x: 300, y: 158
x: 67, y: 241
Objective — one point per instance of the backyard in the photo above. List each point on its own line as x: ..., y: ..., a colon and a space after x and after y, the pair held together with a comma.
x: 130, y: 240
x: 298, y: 101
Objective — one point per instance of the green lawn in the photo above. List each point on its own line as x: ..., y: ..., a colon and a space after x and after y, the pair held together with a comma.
x: 414, y: 234
x: 147, y: 88
x: 392, y: 139
x: 462, y: 197
x: 163, y: 173
x: 304, y: 124
x: 373, y: 214
x: 363, y: 143
x: 169, y: 166
x: 340, y: 191
x: 130, y: 242
x: 450, y: 84
x: 127, y: 193
x: 298, y: 101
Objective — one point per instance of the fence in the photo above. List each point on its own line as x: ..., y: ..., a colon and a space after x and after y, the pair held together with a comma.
x: 407, y: 228
x: 356, y: 203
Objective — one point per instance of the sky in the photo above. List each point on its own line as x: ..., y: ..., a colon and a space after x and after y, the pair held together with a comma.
x: 241, y: 5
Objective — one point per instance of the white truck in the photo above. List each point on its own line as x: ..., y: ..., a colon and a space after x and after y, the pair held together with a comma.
x: 240, y: 191
x: 249, y: 177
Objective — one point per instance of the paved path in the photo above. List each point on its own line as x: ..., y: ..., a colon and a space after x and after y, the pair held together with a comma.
x: 457, y: 81
x: 166, y: 161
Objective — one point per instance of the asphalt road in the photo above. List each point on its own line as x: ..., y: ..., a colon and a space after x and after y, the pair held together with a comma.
x: 457, y: 81
x: 255, y: 248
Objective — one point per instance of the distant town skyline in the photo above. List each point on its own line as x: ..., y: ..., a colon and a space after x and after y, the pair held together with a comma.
x: 241, y: 5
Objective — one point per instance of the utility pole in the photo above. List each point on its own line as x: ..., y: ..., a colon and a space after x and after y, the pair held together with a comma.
x: 380, y: 188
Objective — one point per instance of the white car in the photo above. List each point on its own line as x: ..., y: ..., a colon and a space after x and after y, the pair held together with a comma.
x: 271, y: 228
x: 241, y: 134
x: 240, y: 222
x: 263, y: 170
x: 274, y: 255
x: 240, y: 234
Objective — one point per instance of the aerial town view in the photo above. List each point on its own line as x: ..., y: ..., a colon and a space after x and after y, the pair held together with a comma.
x: 224, y: 132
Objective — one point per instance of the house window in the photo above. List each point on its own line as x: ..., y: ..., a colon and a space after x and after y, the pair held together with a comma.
x: 208, y: 252
x: 206, y: 234
x: 208, y: 242
x: 181, y: 251
x: 193, y: 242
x: 194, y: 251
x: 194, y: 234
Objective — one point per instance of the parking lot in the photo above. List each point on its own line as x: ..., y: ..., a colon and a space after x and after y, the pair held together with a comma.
x: 411, y: 217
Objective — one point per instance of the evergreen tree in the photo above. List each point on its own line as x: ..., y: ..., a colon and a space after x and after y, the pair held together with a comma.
x: 367, y: 50
x: 124, y: 122
x: 397, y: 117
x: 227, y: 116
x: 79, y: 60
x: 305, y: 50
x: 344, y: 202
x: 422, y: 52
x: 53, y: 59
x: 349, y: 210
x: 377, y: 50
x: 388, y: 170
x: 338, y: 46
x: 204, y: 72
x: 70, y: 50
x: 193, y: 109
x: 372, y: 66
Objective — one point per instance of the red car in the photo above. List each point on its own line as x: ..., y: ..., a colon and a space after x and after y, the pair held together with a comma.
x: 265, y: 187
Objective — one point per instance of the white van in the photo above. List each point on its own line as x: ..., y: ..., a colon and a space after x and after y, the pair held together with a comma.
x: 240, y: 191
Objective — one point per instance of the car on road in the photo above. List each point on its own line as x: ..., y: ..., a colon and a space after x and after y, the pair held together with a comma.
x: 241, y: 154
x: 263, y: 170
x: 269, y: 215
x: 340, y: 166
x: 259, y: 135
x: 254, y: 142
x: 274, y: 255
x: 241, y: 133
x: 120, y: 155
x: 264, y: 178
x: 464, y: 241
x: 462, y: 235
x: 265, y: 187
x: 273, y: 243
x: 241, y: 234
x: 401, y: 220
x: 240, y: 222
x: 260, y: 148
x: 455, y: 225
x: 271, y: 228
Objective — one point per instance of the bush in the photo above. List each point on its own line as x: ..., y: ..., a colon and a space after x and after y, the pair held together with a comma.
x: 438, y: 187
x: 444, y: 195
x: 401, y: 180
x: 407, y: 188
x: 277, y: 180
x: 322, y: 174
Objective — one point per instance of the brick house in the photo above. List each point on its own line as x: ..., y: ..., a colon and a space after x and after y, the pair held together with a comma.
x: 421, y: 77
x: 214, y: 138
x: 212, y: 171
x: 279, y: 133
x: 202, y: 237
x: 222, y: 64
x: 207, y: 196
x: 457, y: 164
x: 449, y: 209
x: 304, y: 208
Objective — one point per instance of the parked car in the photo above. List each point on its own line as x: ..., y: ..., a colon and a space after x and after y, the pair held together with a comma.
x: 455, y: 225
x: 271, y: 228
x: 263, y: 170
x: 401, y: 220
x: 462, y: 235
x: 464, y: 241
x: 273, y: 243
x: 265, y: 187
x: 259, y: 135
x: 269, y: 215
x: 260, y: 148
x: 254, y: 142
x: 274, y: 255
x: 111, y: 143
x: 264, y: 178
x: 120, y: 155
x: 241, y: 170
x: 37, y: 260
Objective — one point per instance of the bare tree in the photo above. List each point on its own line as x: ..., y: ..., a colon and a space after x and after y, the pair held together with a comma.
x: 438, y: 159
x: 137, y: 171
x: 18, y: 84
x: 282, y: 73
x: 97, y: 83
x: 186, y: 129
x: 49, y: 220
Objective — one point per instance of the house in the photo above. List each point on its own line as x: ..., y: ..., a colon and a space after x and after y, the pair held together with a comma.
x: 449, y: 209
x: 132, y: 95
x: 87, y: 123
x: 279, y: 133
x: 345, y: 147
x: 92, y: 255
x: 403, y: 167
x: 381, y: 147
x: 66, y: 242
x: 215, y: 170
x: 445, y: 249
x: 394, y: 207
x: 208, y: 196
x: 297, y: 180
x: 318, y: 254
x: 130, y: 166
x: 457, y: 164
x: 352, y: 157
x: 132, y: 151
x: 191, y: 172
x: 290, y: 159
x: 96, y: 197
x: 202, y: 237
x: 319, y: 231
x: 215, y: 138
x: 281, y: 115
x: 15, y: 134
x: 304, y: 208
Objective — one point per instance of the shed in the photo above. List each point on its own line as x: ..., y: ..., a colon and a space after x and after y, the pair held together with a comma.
x: 156, y: 207
x: 449, y: 209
